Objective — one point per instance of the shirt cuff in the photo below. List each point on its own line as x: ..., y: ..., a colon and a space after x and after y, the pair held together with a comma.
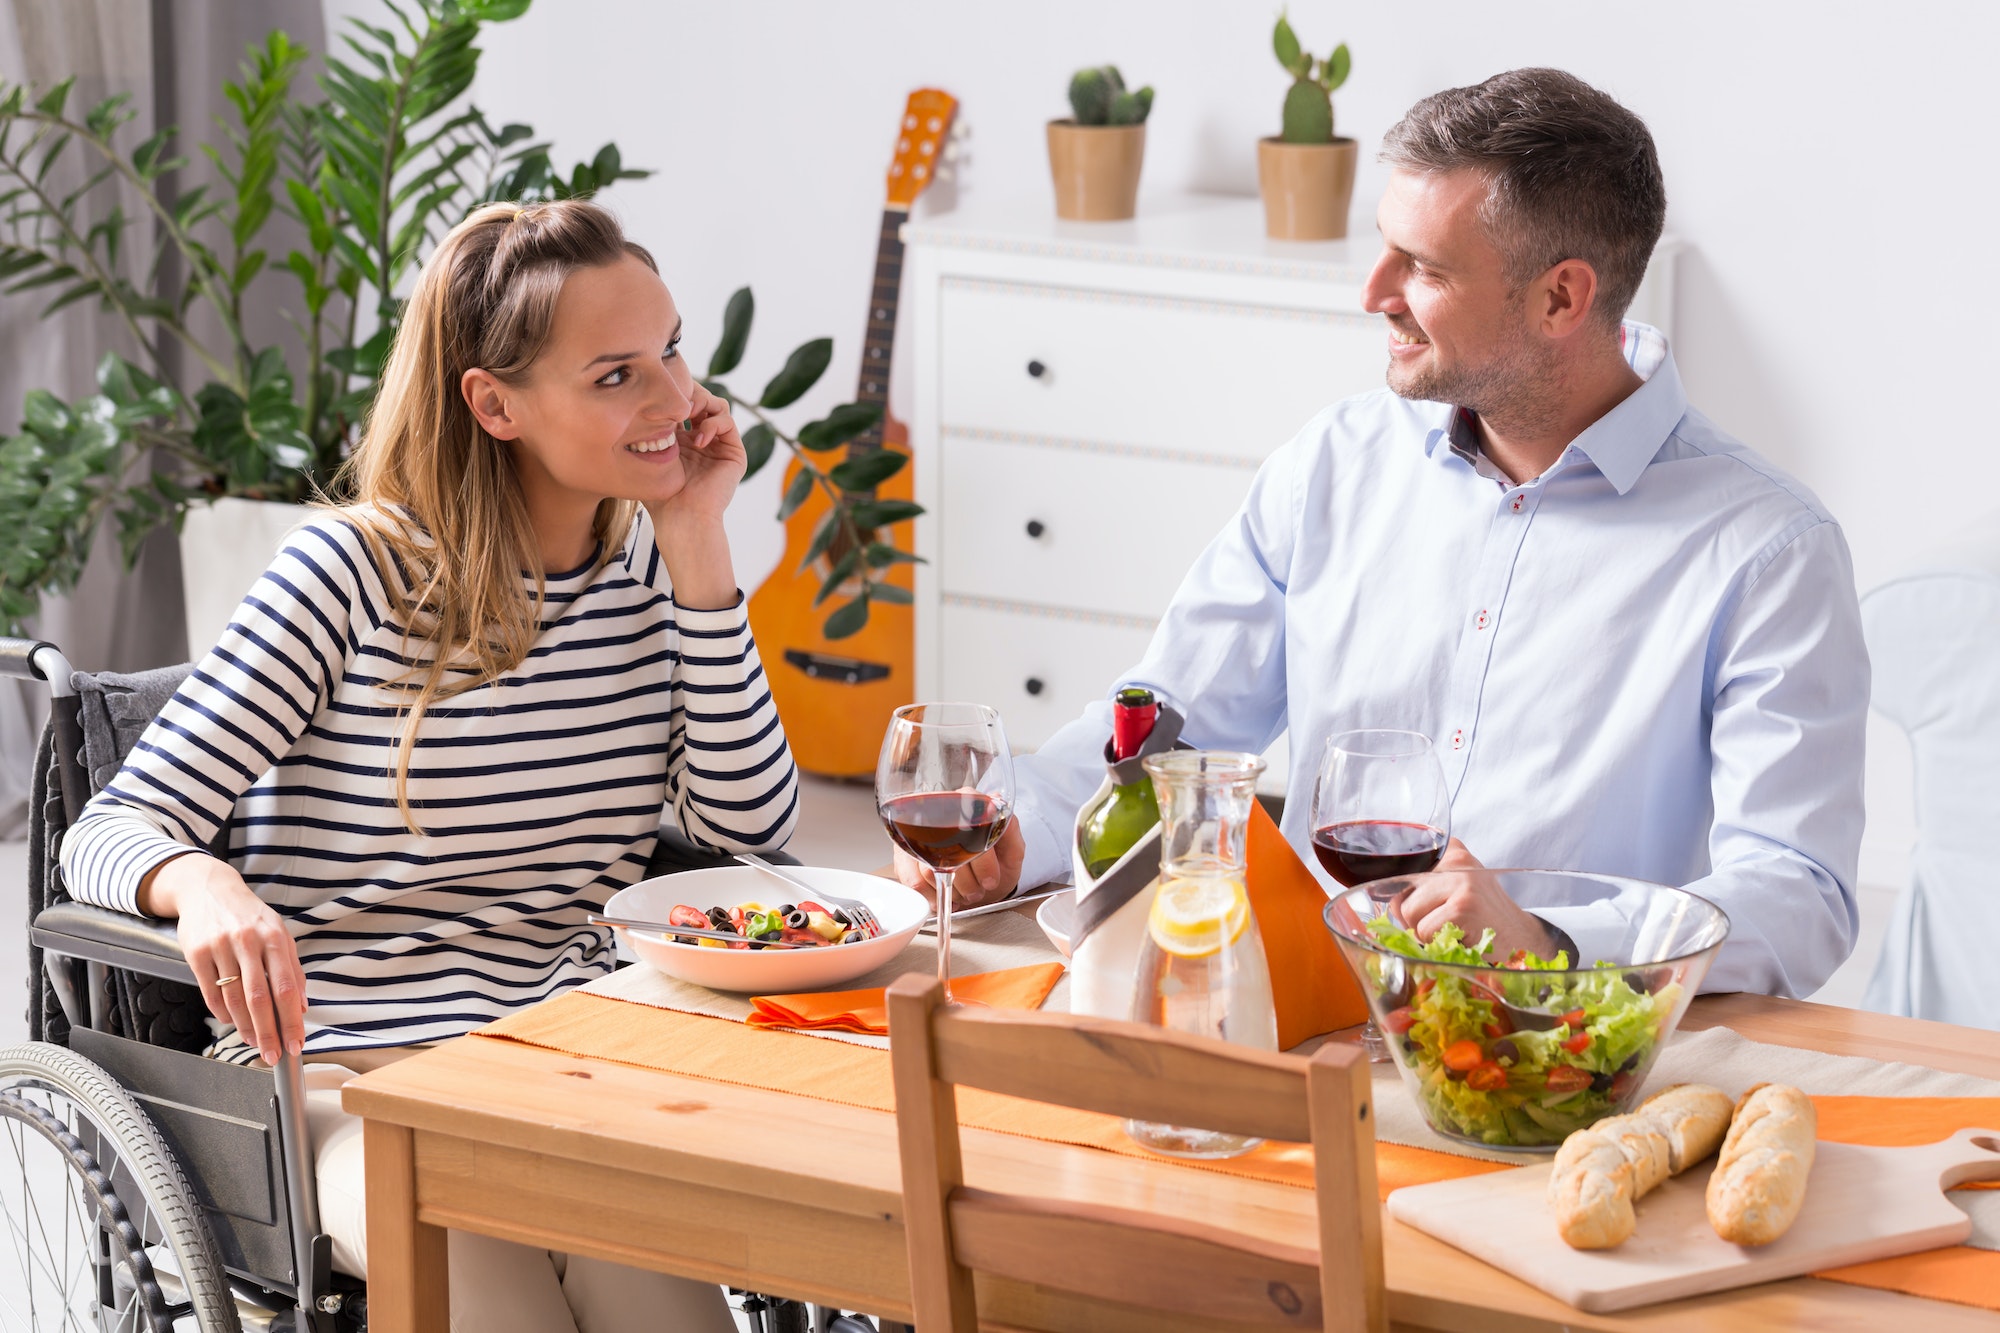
x: 125, y: 858
x: 719, y: 619
x: 1590, y: 932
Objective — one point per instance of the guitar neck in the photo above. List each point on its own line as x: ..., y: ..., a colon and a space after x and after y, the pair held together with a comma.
x: 879, y: 346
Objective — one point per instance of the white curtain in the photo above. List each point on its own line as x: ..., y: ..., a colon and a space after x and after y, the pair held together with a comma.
x: 172, y: 57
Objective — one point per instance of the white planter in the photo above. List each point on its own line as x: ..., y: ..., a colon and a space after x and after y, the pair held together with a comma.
x: 225, y: 548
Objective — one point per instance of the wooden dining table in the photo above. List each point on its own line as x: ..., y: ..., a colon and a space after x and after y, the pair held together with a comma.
x: 788, y: 1195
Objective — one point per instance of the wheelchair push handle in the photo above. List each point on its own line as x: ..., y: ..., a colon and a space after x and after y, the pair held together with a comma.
x: 34, y: 659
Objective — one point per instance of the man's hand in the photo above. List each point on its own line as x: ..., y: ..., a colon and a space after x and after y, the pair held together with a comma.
x: 984, y: 879
x: 1474, y: 901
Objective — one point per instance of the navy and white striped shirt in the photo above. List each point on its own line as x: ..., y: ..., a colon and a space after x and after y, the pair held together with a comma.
x: 540, y: 794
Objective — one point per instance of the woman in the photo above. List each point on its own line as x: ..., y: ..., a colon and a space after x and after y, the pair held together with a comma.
x: 444, y: 725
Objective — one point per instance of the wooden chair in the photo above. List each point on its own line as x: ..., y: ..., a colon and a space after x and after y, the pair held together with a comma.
x: 1118, y: 1255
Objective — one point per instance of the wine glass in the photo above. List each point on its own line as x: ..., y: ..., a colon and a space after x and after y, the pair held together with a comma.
x: 944, y: 786
x: 1380, y: 809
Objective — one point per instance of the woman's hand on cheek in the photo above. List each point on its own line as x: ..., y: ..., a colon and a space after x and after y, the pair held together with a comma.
x: 712, y: 460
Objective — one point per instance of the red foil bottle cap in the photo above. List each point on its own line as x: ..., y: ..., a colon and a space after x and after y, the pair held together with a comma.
x: 1133, y: 713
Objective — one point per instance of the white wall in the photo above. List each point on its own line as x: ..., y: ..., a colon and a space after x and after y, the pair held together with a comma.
x: 1824, y: 159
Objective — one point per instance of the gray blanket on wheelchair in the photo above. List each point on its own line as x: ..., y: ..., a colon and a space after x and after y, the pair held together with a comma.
x: 115, y: 710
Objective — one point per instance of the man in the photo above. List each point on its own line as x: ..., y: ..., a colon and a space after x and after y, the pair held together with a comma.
x: 1635, y: 643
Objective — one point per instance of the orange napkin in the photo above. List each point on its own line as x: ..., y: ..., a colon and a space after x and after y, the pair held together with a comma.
x: 1311, y: 986
x: 866, y: 1011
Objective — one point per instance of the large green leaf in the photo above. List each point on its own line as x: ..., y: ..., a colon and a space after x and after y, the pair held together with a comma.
x: 736, y: 317
x: 795, y: 494
x: 802, y: 370
x: 824, y: 533
x: 869, y: 470
x: 881, y: 513
x: 848, y: 620
x: 847, y: 422
x: 758, y: 443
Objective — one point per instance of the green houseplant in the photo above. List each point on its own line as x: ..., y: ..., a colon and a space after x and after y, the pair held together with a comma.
x: 1306, y: 173
x: 1095, y: 155
x: 374, y: 169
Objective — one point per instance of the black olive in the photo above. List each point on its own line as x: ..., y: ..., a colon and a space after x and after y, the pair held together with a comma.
x: 796, y: 919
x: 1600, y: 1082
x: 719, y: 918
x: 1542, y: 995
x: 1638, y: 981
x: 1505, y: 1051
x: 1455, y: 1075
x: 840, y: 916
x: 788, y: 909
x: 1411, y: 1046
x: 1631, y: 1063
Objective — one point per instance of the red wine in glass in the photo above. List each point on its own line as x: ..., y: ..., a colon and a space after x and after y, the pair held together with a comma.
x: 945, y: 829
x: 1358, y: 851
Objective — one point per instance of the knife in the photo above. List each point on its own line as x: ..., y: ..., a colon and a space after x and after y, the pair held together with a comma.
x: 963, y: 913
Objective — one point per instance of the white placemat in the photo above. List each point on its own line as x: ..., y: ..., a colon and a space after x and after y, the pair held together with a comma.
x: 1732, y: 1062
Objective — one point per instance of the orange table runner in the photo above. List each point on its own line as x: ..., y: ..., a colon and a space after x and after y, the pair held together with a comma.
x: 598, y: 1027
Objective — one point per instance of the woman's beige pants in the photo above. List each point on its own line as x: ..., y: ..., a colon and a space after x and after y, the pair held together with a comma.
x: 496, y: 1285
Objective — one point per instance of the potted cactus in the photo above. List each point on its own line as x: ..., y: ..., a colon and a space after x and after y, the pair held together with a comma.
x: 1307, y: 173
x: 1095, y: 156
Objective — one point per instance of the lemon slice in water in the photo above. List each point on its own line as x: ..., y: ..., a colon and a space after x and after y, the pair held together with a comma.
x: 1193, y: 918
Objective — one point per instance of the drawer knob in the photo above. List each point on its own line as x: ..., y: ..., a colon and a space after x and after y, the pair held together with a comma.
x: 1035, y: 527
x: 1034, y: 685
x: 1036, y: 369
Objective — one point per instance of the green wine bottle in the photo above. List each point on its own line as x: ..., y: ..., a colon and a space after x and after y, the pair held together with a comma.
x: 1119, y: 815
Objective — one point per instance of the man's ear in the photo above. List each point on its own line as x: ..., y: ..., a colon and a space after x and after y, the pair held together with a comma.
x: 1566, y: 295
x: 487, y: 397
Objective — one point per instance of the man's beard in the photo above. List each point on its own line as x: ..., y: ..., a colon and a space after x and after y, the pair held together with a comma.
x: 1517, y: 386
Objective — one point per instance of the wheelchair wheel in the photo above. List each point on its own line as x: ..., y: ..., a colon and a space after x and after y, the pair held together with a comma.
x: 98, y: 1227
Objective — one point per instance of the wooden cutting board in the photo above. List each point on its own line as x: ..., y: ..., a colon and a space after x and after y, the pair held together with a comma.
x: 1861, y: 1203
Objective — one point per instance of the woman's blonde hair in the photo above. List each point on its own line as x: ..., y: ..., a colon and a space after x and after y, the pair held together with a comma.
x: 436, y: 498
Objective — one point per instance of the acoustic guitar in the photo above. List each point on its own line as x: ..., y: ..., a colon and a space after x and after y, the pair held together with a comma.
x: 836, y: 695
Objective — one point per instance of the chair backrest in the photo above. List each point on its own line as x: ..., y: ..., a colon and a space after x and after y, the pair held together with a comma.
x: 1117, y: 1255
x: 1933, y: 636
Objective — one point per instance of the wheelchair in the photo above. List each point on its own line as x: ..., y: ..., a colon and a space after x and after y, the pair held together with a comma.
x: 143, y: 1186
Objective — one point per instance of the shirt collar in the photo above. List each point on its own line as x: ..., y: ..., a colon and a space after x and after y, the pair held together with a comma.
x: 1624, y: 440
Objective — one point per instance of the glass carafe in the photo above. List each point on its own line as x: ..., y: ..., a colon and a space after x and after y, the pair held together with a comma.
x: 1201, y: 965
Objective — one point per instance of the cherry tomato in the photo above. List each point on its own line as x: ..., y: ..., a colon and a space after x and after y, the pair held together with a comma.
x: 793, y: 935
x: 1577, y: 1044
x: 1518, y: 960
x: 1424, y: 986
x: 1398, y: 1021
x: 1568, y: 1078
x: 1486, y: 1077
x: 1576, y: 1018
x: 683, y: 915
x: 1462, y: 1055
x: 1621, y: 1087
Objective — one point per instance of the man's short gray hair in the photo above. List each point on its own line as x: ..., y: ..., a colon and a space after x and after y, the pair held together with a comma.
x: 1573, y: 175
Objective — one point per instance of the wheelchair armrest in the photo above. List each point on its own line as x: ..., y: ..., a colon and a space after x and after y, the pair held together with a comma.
x: 100, y: 935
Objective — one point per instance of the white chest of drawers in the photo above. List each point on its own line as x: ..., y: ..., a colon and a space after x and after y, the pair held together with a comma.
x: 1091, y: 402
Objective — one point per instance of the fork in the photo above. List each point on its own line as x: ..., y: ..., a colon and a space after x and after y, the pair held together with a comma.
x: 857, y: 912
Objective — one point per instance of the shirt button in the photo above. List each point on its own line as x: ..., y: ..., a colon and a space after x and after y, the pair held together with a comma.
x: 1458, y: 739
x: 1482, y: 620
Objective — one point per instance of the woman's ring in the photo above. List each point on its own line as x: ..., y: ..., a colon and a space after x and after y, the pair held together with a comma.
x: 227, y: 981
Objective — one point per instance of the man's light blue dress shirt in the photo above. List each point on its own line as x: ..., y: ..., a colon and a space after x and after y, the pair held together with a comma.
x: 1646, y: 662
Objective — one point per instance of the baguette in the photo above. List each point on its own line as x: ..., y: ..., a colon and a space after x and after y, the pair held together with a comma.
x: 1759, y: 1183
x: 1694, y: 1117
x: 1601, y: 1172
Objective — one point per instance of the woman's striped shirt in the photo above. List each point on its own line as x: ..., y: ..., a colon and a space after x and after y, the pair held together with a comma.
x: 540, y: 794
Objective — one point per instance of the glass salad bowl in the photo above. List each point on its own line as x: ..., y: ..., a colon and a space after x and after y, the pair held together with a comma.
x: 1517, y: 1053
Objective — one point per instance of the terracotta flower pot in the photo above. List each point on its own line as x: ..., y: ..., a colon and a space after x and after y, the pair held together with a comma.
x: 1096, y: 169
x: 1307, y: 188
